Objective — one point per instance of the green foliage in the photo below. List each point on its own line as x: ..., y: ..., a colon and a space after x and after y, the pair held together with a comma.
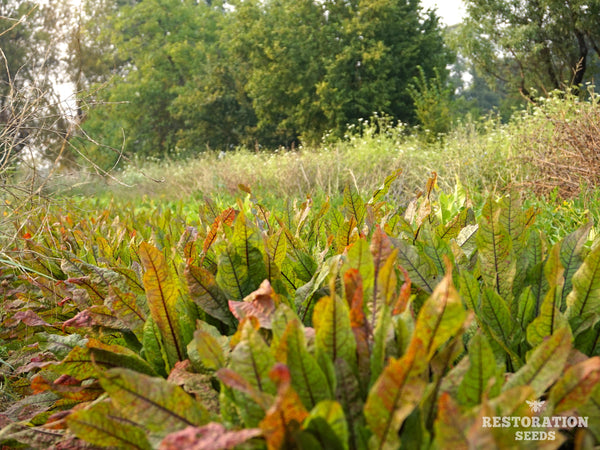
x: 532, y: 46
x: 432, y: 99
x: 295, y: 70
x: 361, y: 326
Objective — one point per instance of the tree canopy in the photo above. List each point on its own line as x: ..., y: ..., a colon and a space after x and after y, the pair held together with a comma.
x: 273, y: 72
x: 533, y: 46
x: 30, y: 112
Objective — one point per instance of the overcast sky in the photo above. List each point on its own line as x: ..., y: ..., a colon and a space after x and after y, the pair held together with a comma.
x: 451, y: 11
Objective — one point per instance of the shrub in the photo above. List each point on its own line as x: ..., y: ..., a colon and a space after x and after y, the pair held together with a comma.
x: 560, y: 140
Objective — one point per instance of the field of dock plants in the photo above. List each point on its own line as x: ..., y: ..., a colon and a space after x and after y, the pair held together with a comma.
x: 364, y: 325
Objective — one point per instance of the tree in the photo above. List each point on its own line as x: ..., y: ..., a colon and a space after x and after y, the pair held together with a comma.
x: 91, y: 58
x: 318, y: 66
x: 172, y: 92
x: 385, y: 44
x: 533, y: 46
x: 433, y: 103
x: 282, y: 46
x: 30, y: 112
x: 195, y: 74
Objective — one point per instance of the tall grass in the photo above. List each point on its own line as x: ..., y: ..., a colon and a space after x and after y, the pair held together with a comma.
x: 485, y: 155
x: 473, y: 153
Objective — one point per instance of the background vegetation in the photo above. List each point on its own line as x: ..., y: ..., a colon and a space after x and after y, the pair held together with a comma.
x: 235, y: 185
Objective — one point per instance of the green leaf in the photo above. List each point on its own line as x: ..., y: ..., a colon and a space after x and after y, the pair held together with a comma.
x: 497, y: 320
x: 308, y: 380
x: 526, y: 309
x: 252, y: 360
x: 127, y: 308
x: 347, y: 234
x: 436, y: 249
x: 571, y: 257
x: 545, y: 363
x: 353, y: 205
x: 469, y: 290
x: 591, y: 409
x: 302, y: 264
x: 583, y: 303
x: 452, y: 229
x: 348, y: 393
x: 307, y: 295
x: 154, y: 403
x: 88, y: 362
x: 327, y: 421
x: 498, y: 266
x: 514, y: 220
x: 380, y: 193
x: 275, y: 252
x: 282, y: 316
x: 535, y: 254
x: 163, y: 299
x: 246, y: 243
x: 380, y: 341
x: 101, y: 425
x: 419, y: 267
x: 550, y: 317
x: 397, y: 391
x: 119, y: 356
x: 482, y: 369
x: 153, y: 349
x: 232, y: 275
x: 334, y: 335
x: 207, y: 350
x: 441, y: 317
x: 359, y: 258
x: 588, y: 341
x: 205, y: 292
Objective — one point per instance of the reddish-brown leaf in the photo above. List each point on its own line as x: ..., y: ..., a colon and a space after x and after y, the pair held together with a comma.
x: 284, y: 418
x: 81, y: 320
x: 381, y: 248
x: 450, y: 425
x: 227, y: 217
x: 404, y: 296
x: 27, y: 317
x: 358, y: 321
x: 259, y: 304
x: 212, y: 436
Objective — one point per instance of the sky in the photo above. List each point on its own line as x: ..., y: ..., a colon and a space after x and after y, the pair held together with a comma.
x: 450, y: 11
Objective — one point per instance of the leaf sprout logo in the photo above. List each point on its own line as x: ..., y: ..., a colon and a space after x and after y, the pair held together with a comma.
x: 536, y: 405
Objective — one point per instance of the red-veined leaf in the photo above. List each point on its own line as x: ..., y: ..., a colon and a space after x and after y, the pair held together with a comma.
x: 163, y: 298
x: 212, y: 436
x: 158, y: 405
